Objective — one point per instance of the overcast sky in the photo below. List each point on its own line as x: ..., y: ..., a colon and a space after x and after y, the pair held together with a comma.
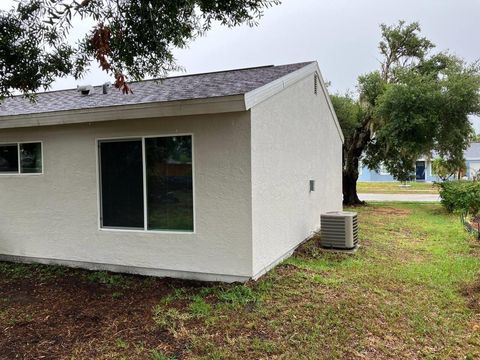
x: 342, y: 35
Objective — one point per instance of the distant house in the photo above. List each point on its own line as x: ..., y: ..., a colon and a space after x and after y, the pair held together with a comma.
x: 423, y: 168
x: 215, y: 176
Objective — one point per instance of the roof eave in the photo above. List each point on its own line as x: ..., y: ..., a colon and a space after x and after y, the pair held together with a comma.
x: 213, y: 105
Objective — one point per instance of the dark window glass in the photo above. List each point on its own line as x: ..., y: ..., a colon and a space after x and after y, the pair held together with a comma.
x: 169, y: 183
x: 31, y: 158
x: 8, y: 158
x: 122, y: 184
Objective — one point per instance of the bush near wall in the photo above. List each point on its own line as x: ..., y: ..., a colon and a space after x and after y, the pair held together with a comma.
x: 461, y: 196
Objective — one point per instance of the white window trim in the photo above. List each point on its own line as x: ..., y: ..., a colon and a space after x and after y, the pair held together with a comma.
x: 19, y: 173
x: 145, y: 209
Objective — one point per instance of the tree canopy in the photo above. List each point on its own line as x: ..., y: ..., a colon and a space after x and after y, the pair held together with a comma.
x: 132, y: 39
x: 417, y: 102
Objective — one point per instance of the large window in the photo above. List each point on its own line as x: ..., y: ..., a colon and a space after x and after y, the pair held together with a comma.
x: 146, y: 183
x: 21, y: 158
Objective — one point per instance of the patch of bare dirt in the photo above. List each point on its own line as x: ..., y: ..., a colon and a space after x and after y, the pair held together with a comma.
x: 389, y: 211
x: 472, y: 293
x: 68, y: 314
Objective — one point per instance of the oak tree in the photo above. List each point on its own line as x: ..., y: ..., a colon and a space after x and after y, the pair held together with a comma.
x: 419, y: 101
x: 131, y: 39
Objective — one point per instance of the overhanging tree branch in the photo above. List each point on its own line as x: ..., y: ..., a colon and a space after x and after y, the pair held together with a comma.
x: 132, y: 39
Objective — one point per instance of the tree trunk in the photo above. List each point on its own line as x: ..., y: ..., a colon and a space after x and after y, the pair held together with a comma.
x: 352, y: 152
x: 350, y: 196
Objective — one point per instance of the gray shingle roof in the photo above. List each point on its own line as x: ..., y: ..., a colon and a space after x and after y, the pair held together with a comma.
x: 207, y: 85
x: 473, y: 151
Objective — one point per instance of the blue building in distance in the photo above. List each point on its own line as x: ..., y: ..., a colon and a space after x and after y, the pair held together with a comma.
x: 423, y: 168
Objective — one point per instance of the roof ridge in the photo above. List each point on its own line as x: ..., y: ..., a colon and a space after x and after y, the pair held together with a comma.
x: 177, y: 76
x: 224, y: 71
x: 182, y: 87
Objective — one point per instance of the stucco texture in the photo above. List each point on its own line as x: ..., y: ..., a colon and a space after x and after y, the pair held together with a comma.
x: 55, y: 215
x: 252, y: 201
x: 294, y: 140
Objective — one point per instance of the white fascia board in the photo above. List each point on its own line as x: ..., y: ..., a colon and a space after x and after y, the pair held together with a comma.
x: 214, y: 105
x: 263, y: 93
x: 266, y: 91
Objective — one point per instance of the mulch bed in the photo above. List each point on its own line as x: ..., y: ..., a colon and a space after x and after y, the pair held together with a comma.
x: 56, y: 317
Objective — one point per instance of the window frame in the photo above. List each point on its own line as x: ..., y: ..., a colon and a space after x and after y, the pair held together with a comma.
x: 142, y: 138
x: 19, y: 172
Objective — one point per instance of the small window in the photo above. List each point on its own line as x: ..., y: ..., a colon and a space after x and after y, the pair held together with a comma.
x: 21, y: 158
x: 315, y: 84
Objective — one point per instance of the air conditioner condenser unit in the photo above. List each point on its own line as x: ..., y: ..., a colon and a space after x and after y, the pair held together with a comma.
x: 339, y: 230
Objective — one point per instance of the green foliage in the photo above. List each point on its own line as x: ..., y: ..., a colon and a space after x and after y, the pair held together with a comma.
x: 237, y: 295
x: 445, y: 168
x: 370, y: 87
x: 415, y: 279
x: 199, y: 307
x: 348, y: 111
x: 417, y: 103
x: 175, y: 311
x: 131, y: 39
x: 121, y: 344
x: 462, y: 196
x: 401, y: 45
x: 170, y: 319
x: 424, y: 111
x: 43, y: 272
x: 105, y: 278
x: 157, y: 355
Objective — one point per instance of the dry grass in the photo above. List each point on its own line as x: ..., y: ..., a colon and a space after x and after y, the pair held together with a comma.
x: 395, y: 187
x: 411, y: 292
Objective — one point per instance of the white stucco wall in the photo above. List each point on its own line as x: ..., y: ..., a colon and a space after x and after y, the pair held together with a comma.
x: 473, y: 168
x: 294, y: 139
x: 55, y: 215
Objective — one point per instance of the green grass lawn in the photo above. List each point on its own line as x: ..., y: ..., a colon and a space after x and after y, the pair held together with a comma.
x: 394, y: 187
x: 411, y: 291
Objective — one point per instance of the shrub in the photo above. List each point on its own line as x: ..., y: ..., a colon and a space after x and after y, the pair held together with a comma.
x: 462, y: 196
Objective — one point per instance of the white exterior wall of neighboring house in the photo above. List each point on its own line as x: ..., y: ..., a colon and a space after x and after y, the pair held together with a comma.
x: 294, y: 139
x: 54, y: 217
x: 473, y: 168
